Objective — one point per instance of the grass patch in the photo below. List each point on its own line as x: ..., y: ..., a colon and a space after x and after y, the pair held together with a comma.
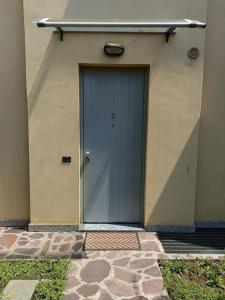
x: 50, y: 273
x: 195, y: 279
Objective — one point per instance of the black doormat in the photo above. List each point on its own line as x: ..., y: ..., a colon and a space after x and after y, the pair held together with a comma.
x: 203, y: 241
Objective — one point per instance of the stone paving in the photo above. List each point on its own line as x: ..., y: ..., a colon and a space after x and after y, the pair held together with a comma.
x: 102, y: 275
x: 109, y: 275
x: 123, y: 275
x: 18, y: 243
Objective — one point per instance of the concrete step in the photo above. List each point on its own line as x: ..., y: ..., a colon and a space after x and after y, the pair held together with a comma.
x: 19, y: 290
x: 111, y: 227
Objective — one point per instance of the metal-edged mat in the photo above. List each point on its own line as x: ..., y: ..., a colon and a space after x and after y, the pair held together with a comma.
x: 111, y: 241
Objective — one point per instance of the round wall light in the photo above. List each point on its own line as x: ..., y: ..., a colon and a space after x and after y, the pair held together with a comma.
x: 114, y: 49
x: 193, y: 53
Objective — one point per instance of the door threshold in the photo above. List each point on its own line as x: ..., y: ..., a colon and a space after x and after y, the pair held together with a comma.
x: 111, y: 227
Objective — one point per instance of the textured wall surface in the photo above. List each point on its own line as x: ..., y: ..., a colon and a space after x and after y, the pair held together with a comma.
x: 175, y: 88
x: 14, y: 172
x: 37, y: 40
x: 211, y: 168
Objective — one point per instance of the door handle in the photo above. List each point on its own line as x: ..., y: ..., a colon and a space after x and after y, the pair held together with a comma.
x: 87, y: 156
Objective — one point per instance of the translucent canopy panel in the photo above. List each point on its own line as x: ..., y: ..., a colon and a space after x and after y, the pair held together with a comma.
x: 113, y: 24
x: 144, y: 26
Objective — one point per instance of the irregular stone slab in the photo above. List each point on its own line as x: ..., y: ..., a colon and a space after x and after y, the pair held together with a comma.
x: 120, y: 289
x: 58, y: 239
x: 77, y: 246
x: 81, y: 255
x: 153, y: 271
x: 79, y: 237
x: 93, y: 255
x: 146, y: 236
x: 68, y: 239
x: 142, y: 263
x: 137, y: 255
x: 50, y: 235
x: 14, y: 230
x: 7, y: 240
x: 147, y: 254
x: 71, y: 296
x: 36, y: 236
x: 56, y: 255
x: 18, y: 256
x: 88, y: 290
x: 104, y: 296
x: 153, y: 286
x: 28, y: 251
x: 122, y: 262
x: 150, y: 246
x: 138, y: 298
x: 23, y: 243
x: 116, y: 254
x: 73, y: 269
x: 127, y: 276
x: 95, y: 271
x: 3, y: 254
x: 161, y: 298
x: 72, y: 282
x: 45, y: 248
x: 19, y: 290
x: 35, y: 243
x: 64, y: 247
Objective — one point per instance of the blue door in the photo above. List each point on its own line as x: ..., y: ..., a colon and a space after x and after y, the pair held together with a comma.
x: 113, y: 106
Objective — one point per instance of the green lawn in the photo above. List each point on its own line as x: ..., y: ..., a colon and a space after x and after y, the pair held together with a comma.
x: 194, y: 280
x: 51, y: 274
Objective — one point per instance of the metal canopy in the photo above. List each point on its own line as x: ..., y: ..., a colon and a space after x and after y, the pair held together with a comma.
x: 166, y: 27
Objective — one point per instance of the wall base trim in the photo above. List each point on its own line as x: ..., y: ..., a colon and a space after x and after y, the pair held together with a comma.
x: 52, y: 227
x: 75, y: 227
x: 171, y: 228
x: 210, y: 225
x: 14, y: 223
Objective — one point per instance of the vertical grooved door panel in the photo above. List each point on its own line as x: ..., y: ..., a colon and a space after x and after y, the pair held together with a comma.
x: 113, y: 131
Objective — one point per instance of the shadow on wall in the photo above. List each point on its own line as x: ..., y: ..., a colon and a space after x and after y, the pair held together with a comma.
x: 46, y: 63
x: 175, y: 204
x: 130, y: 9
x: 42, y: 73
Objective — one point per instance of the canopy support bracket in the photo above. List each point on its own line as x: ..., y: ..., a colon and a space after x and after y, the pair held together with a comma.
x: 170, y: 31
x: 61, y: 33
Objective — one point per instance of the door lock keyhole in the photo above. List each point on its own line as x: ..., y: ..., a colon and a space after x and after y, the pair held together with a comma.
x: 112, y: 115
x: 113, y: 118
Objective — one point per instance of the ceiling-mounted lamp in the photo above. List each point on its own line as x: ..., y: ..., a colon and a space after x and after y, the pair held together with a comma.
x: 114, y: 49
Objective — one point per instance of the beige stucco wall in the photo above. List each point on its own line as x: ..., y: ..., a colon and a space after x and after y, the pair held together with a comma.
x: 173, y: 115
x: 174, y: 105
x: 37, y: 40
x: 14, y: 170
x: 211, y: 168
